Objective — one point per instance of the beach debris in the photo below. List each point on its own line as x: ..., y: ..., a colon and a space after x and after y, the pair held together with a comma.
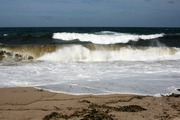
x: 130, y: 108
x: 95, y: 112
x: 84, y: 114
x: 90, y: 113
x: 52, y: 116
x: 128, y: 100
x: 40, y: 90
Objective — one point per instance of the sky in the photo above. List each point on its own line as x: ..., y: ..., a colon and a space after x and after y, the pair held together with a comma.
x: 89, y: 13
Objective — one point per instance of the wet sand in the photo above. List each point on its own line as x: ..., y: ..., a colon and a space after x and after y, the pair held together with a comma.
x: 34, y: 104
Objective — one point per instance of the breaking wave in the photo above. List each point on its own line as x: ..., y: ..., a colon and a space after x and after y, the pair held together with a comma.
x: 5, y: 35
x: 19, y: 53
x: 104, y: 37
x: 83, y: 54
x: 88, y: 53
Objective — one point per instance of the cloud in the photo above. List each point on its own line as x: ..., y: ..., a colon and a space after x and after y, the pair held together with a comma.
x: 171, y: 2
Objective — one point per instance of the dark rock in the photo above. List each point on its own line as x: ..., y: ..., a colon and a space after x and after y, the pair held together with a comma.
x: 174, y: 95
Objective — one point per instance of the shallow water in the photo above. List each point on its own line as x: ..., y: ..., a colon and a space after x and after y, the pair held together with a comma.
x: 148, y: 78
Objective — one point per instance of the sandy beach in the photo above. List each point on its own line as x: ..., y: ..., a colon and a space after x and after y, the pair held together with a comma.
x: 34, y: 104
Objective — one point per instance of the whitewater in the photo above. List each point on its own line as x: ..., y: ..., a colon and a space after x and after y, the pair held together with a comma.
x: 147, y: 78
x: 105, y: 62
x: 104, y: 37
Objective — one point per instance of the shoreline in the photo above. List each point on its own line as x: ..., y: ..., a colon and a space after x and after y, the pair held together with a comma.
x: 94, y: 94
x: 37, y: 104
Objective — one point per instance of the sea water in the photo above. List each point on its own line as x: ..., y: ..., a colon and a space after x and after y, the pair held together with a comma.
x: 91, y: 60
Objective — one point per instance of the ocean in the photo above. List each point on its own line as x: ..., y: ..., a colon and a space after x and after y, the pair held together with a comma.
x: 91, y: 60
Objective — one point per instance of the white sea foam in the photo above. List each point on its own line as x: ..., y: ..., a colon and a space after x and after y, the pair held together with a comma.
x: 158, y: 95
x: 5, y: 35
x: 173, y: 89
x: 81, y: 53
x: 170, y: 90
x: 105, y: 37
x: 148, y: 78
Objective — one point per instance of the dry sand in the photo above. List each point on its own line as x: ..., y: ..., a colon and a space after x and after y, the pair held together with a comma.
x: 33, y: 104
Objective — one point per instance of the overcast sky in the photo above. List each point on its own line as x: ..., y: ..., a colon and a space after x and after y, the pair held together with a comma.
x: 66, y: 13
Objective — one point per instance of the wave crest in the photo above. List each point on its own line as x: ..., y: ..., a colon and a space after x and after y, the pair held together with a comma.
x: 105, y: 37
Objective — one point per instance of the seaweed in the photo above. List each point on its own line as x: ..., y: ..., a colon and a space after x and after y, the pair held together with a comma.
x: 135, y: 97
x: 85, y: 114
x: 52, y: 115
x: 130, y: 108
x: 95, y: 112
x: 40, y: 90
x: 85, y: 101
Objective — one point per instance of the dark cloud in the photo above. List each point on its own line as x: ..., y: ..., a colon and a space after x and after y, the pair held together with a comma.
x: 171, y: 2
